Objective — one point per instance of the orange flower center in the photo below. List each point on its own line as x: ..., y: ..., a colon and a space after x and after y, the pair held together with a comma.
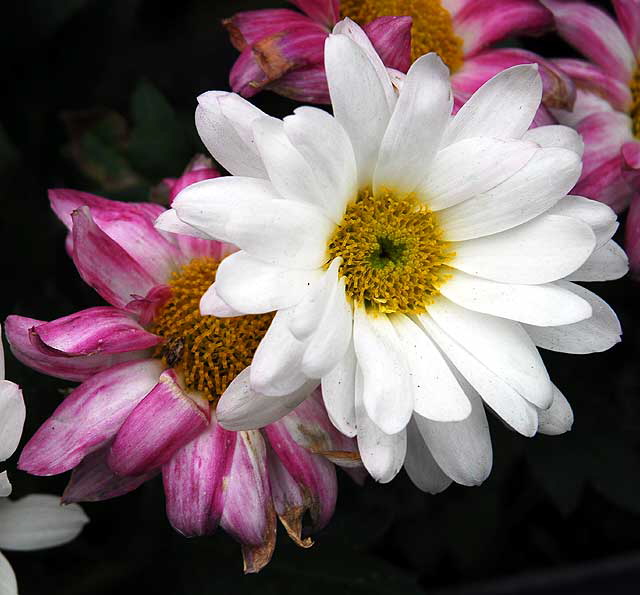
x: 635, y: 102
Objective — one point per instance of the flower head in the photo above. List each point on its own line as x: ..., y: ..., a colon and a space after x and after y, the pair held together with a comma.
x: 152, y: 371
x: 416, y: 261
x: 607, y: 108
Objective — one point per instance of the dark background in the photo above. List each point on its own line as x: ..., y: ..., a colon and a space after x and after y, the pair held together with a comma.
x: 99, y: 96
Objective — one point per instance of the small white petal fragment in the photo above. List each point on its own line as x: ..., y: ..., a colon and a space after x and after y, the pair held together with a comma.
x: 338, y: 390
x: 605, y: 264
x: 8, y: 583
x: 5, y: 485
x: 420, y: 465
x: 12, y: 416
x: 556, y: 135
x: 558, y: 419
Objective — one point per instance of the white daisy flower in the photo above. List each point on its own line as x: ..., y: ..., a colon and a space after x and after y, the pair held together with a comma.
x: 415, y: 260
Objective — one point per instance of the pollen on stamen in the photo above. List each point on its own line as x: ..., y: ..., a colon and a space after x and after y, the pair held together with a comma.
x: 431, y: 30
x: 635, y: 102
x: 393, y: 255
x: 207, y: 351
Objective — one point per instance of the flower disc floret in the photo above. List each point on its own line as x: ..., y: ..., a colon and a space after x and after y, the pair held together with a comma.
x: 432, y: 29
x: 208, y: 351
x: 635, y: 102
x: 392, y: 253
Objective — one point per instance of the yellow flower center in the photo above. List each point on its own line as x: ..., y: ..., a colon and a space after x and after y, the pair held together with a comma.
x: 392, y: 252
x: 208, y: 352
x: 635, y: 102
x: 432, y: 29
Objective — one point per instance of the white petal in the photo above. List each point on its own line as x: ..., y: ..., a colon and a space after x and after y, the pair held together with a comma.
x: 328, y: 344
x: 290, y: 173
x: 207, y: 205
x: 598, y: 333
x: 38, y: 521
x: 437, y: 393
x: 556, y: 136
x: 534, y: 189
x: 503, y: 107
x: 359, y: 101
x: 169, y: 221
x: 338, y: 393
x: 12, y: 415
x: 387, y: 388
x: 224, y: 123
x: 500, y: 345
x: 420, y: 465
x: 543, y: 250
x: 462, y: 449
x: 326, y: 146
x: 558, y: 419
x: 8, y: 583
x: 251, y: 286
x: 542, y: 305
x: 2, y: 373
x: 505, y: 401
x: 275, y: 369
x: 242, y: 408
x: 5, y: 486
x: 211, y: 304
x: 606, y: 264
x: 600, y: 217
x: 470, y: 167
x: 416, y: 126
x: 382, y: 454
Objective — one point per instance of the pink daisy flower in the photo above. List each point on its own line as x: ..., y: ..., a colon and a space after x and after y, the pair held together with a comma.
x: 283, y: 50
x: 152, y: 370
x: 607, y: 107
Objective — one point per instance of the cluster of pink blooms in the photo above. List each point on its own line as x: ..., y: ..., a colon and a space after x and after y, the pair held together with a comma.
x: 133, y: 418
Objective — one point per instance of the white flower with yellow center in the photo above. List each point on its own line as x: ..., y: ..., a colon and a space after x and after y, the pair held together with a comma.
x: 415, y: 259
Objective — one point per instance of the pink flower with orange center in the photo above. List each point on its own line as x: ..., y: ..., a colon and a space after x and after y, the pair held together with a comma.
x: 152, y: 370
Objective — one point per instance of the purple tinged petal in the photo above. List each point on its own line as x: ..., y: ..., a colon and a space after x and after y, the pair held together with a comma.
x: 93, y: 480
x: 104, y: 264
x: 628, y: 13
x: 632, y: 237
x: 27, y: 347
x: 483, y: 22
x: 248, y: 27
x: 167, y: 419
x: 594, y: 33
x: 307, y: 85
x: 95, y: 330
x: 326, y: 12
x: 89, y: 417
x: 631, y: 164
x: 391, y: 37
x: 191, y: 177
x: 193, y: 481
x: 248, y: 513
x: 146, y: 308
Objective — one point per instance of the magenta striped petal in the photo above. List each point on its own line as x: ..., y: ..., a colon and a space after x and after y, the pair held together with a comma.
x: 632, y: 236
x: 89, y: 417
x: 307, y: 85
x: 628, y: 13
x: 248, y: 512
x: 128, y: 224
x: 250, y: 26
x: 193, y: 481
x: 103, y: 263
x: 95, y: 330
x: 92, y: 480
x: 631, y: 164
x: 146, y: 308
x: 483, y: 22
x: 27, y: 347
x: 558, y: 88
x: 592, y: 78
x: 595, y: 34
x: 161, y: 424
x: 326, y: 12
x: 391, y: 38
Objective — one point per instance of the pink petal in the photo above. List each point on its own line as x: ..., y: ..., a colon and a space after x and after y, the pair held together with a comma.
x: 161, y: 424
x: 483, y: 22
x: 193, y: 481
x: 632, y: 236
x: 128, y: 224
x: 391, y: 37
x: 307, y: 85
x: 146, y: 308
x: 592, y: 78
x: 595, y: 34
x: 543, y: 117
x: 628, y: 13
x: 631, y: 164
x: 27, y: 347
x: 92, y: 480
x: 191, y: 177
x: 248, y: 27
x: 248, y: 512
x: 96, y: 330
x: 103, y: 263
x: 558, y: 88
x: 326, y: 12
x: 89, y: 417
